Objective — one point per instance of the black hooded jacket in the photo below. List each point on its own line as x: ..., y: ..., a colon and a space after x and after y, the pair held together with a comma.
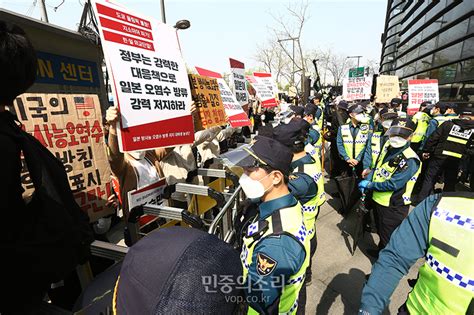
x: 462, y: 130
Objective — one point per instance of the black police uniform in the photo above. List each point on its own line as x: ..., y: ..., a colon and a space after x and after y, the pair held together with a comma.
x: 447, y: 147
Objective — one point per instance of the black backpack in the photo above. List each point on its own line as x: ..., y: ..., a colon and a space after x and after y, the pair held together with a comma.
x: 54, y: 234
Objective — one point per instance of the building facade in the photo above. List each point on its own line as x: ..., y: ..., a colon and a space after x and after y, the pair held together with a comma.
x: 431, y: 39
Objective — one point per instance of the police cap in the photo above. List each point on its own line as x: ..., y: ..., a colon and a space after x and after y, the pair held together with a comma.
x: 395, y: 102
x: 310, y: 109
x: 163, y: 274
x: 298, y: 110
x: 403, y: 127
x: 292, y: 133
x: 388, y: 113
x: 356, y: 109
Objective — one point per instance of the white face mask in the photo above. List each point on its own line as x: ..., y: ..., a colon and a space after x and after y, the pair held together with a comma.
x: 398, y: 142
x: 387, y: 123
x: 262, y: 117
x: 252, y: 188
x: 432, y: 112
x: 365, y: 119
x: 369, y: 108
x: 137, y: 155
x: 359, y: 117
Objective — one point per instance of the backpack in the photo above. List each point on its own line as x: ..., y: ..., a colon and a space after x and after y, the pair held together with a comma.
x: 54, y: 234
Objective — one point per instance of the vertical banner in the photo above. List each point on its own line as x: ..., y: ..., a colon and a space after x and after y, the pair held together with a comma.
x: 150, y: 78
x: 237, y: 81
x: 420, y: 91
x: 357, y: 88
x: 206, y: 96
x: 70, y: 126
x: 387, y: 88
x: 262, y: 91
x: 235, y: 113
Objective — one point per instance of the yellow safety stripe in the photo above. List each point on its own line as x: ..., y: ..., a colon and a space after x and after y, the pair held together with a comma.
x: 453, y: 154
x: 457, y: 140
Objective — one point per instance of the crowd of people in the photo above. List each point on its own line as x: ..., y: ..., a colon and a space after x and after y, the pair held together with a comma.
x: 397, y: 160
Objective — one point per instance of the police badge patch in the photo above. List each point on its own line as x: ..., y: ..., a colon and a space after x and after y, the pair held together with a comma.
x: 265, y: 264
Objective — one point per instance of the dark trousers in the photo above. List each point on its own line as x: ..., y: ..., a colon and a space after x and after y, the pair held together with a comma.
x: 387, y: 220
x: 437, y: 166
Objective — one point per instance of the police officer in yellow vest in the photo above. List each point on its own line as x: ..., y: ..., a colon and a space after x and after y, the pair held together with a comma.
x: 445, y: 148
x: 293, y: 136
x: 275, y: 253
x: 441, y: 229
x: 392, y: 180
x: 421, y: 119
x: 352, y: 139
x: 377, y: 140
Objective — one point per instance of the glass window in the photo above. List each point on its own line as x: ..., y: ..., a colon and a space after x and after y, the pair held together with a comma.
x: 447, y: 55
x: 412, y: 54
x: 436, y: 9
x: 446, y: 74
x: 471, y: 25
x: 428, y: 46
x: 459, y: 10
x: 453, y: 33
x: 468, y: 48
x: 465, y: 70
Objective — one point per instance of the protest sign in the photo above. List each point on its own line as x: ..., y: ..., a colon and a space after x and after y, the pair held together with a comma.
x: 262, y: 91
x: 150, y: 194
x: 237, y: 81
x: 150, y: 78
x: 357, y: 88
x: 207, y: 98
x: 70, y: 126
x: 420, y: 91
x: 267, y: 78
x: 234, y: 112
x: 387, y: 88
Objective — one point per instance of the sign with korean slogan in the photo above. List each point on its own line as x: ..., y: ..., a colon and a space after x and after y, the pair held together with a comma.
x: 357, y: 88
x: 70, y: 126
x: 387, y: 88
x: 267, y: 79
x: 420, y: 91
x: 234, y: 112
x: 237, y: 81
x: 207, y: 98
x: 150, y: 79
x: 262, y: 91
x: 150, y: 194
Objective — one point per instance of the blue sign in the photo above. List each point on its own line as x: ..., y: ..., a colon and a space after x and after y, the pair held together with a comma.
x: 62, y: 70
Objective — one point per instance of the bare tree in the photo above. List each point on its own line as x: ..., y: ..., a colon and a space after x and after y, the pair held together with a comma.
x: 338, y: 65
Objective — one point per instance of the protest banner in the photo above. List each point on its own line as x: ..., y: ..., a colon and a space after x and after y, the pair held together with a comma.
x: 357, y: 88
x: 262, y: 91
x: 237, y: 81
x: 150, y: 194
x: 387, y: 88
x: 234, y: 112
x: 150, y: 78
x: 207, y: 98
x: 70, y: 126
x: 420, y: 91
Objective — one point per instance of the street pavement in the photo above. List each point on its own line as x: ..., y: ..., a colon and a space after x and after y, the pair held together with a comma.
x: 338, y: 277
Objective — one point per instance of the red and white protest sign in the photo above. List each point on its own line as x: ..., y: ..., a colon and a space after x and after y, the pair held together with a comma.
x: 420, y: 91
x: 235, y: 114
x: 150, y: 194
x: 263, y: 91
x: 357, y: 88
x: 267, y: 78
x: 150, y: 78
x: 237, y: 81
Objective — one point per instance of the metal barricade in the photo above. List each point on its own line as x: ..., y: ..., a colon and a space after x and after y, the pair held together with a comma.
x: 223, y: 224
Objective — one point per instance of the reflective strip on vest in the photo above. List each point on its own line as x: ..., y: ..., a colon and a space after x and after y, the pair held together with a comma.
x: 359, y: 142
x: 453, y: 154
x: 446, y: 280
x: 422, y: 120
x: 376, y: 147
x: 457, y: 140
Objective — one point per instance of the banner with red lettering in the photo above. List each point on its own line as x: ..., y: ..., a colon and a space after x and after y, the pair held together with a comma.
x: 70, y: 126
x: 234, y: 112
x: 150, y: 78
x: 420, y: 91
x: 262, y: 91
x: 238, y: 82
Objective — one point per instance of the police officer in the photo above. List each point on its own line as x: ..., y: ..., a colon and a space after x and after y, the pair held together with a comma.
x: 352, y: 139
x: 440, y: 229
x: 393, y: 178
x: 378, y: 139
x: 293, y: 136
x: 441, y: 113
x: 314, y: 138
x: 275, y: 253
x: 446, y: 148
x: 422, y: 119
x: 319, y: 117
x: 396, y: 103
